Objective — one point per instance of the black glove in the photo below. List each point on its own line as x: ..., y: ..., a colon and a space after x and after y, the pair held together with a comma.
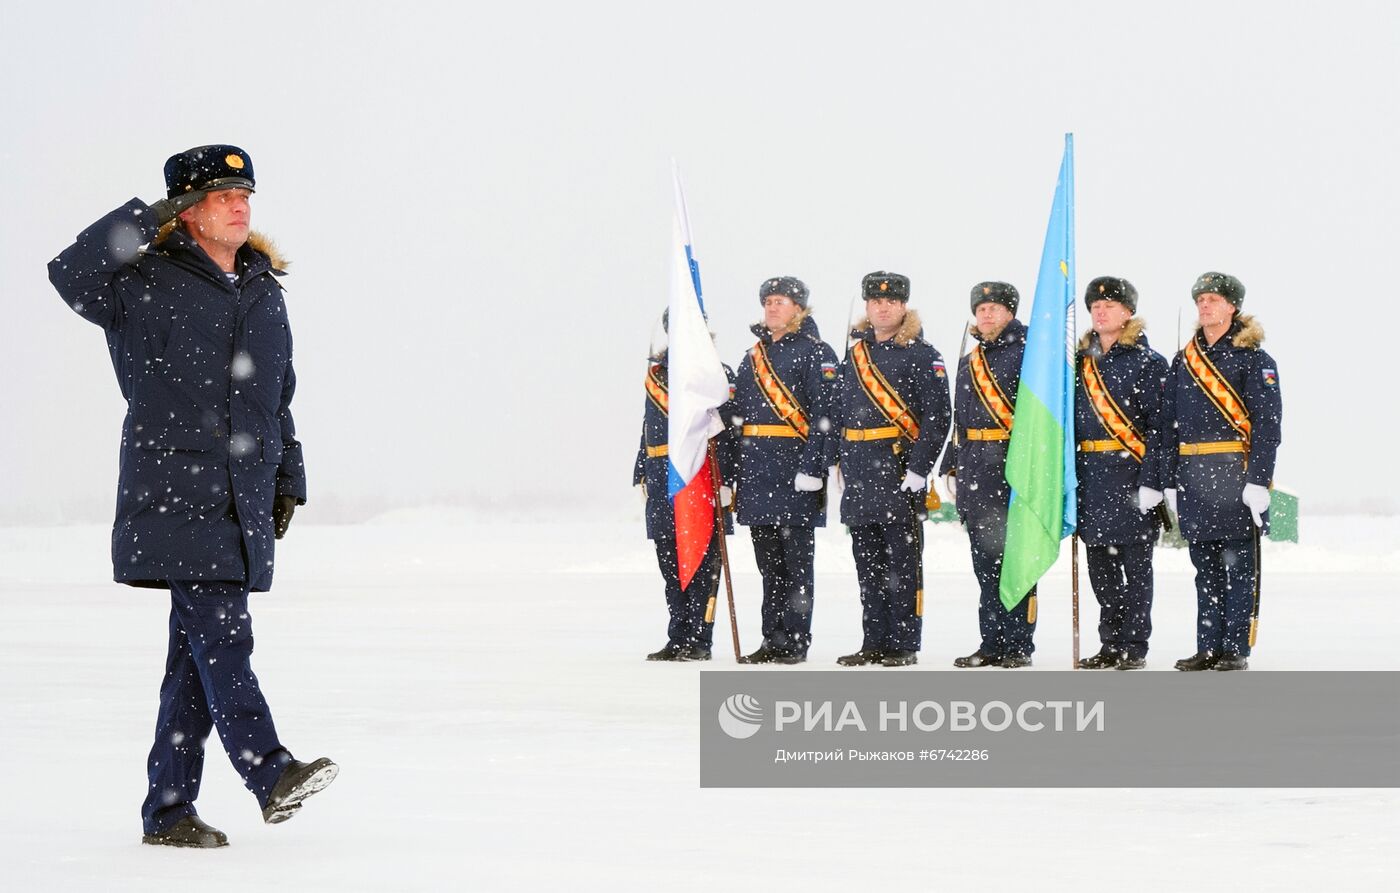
x: 282, y: 509
x: 167, y: 209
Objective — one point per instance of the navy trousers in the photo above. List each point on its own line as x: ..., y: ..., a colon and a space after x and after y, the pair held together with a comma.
x: 1224, y: 595
x: 209, y: 684
x: 784, y: 555
x: 687, y: 608
x: 1004, y: 632
x: 889, y: 568
x: 1122, y: 579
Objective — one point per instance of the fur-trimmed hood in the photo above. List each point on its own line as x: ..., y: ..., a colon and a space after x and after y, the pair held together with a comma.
x: 1132, y: 332
x: 263, y: 243
x: 259, y: 242
x: 1245, y: 332
x: 910, y: 329
x: 802, y: 323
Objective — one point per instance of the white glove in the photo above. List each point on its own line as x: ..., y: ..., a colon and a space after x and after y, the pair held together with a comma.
x: 726, y: 496
x: 1171, y: 500
x: 642, y: 489
x: 914, y: 483
x: 1257, y: 498
x: 833, y: 474
x: 950, y: 481
x: 1148, y: 499
x: 805, y: 483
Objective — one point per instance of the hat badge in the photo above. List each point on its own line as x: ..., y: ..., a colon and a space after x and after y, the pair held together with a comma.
x: 234, y: 161
x: 884, y: 286
x: 986, y: 289
x: 1101, y: 289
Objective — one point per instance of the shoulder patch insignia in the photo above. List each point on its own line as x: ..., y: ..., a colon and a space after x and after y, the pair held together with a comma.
x: 1270, y: 378
x: 939, y: 369
x: 731, y: 392
x: 828, y: 371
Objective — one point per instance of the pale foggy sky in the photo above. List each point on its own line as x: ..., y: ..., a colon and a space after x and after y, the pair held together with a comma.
x: 477, y: 203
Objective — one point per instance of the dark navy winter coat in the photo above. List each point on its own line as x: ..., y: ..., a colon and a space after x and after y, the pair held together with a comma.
x: 654, y: 471
x: 205, y: 367
x: 873, y: 469
x: 1133, y: 374
x: 1209, y: 487
x: 767, y: 465
x: 980, y: 465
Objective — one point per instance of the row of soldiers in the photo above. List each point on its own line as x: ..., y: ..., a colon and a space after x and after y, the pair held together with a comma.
x: 1200, y: 434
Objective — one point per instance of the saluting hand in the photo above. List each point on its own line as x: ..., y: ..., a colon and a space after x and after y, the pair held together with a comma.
x: 167, y: 209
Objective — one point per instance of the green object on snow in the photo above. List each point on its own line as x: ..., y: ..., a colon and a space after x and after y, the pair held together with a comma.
x: 1283, y: 516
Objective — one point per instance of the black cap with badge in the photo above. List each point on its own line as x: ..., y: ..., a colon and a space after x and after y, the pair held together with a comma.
x: 208, y: 168
x: 1111, y: 288
x: 787, y: 286
x: 881, y: 284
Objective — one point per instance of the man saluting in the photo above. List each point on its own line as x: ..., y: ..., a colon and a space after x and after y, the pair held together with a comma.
x: 211, y: 469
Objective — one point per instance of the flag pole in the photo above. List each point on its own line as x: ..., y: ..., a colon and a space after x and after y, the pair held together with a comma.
x: 723, y: 550
x: 1074, y: 591
x: 1258, y: 587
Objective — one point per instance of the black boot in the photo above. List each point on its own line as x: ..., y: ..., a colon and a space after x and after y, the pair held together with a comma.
x: 861, y: 658
x: 1231, y: 662
x: 1201, y: 660
x: 670, y: 652
x: 764, y: 655
x: 190, y: 831
x: 1131, y: 663
x: 789, y: 659
x: 977, y: 659
x: 900, y: 659
x: 299, y: 781
x: 694, y: 652
x: 1014, y: 661
x: 1104, y: 660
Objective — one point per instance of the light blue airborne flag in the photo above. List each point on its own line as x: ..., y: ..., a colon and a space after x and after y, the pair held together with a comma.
x: 1040, y: 457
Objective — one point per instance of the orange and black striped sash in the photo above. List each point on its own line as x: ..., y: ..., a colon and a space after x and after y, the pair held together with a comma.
x: 657, y: 391
x: 1111, y: 415
x: 985, y: 384
x: 779, y: 398
x: 1217, y: 389
x: 882, y: 393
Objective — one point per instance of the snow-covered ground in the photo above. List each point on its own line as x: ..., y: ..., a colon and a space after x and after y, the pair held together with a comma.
x: 482, y: 686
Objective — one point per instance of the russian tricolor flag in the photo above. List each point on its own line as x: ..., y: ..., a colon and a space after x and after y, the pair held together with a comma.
x: 698, y: 387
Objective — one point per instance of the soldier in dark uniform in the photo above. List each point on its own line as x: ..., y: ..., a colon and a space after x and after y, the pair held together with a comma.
x: 690, y: 632
x: 211, y: 468
x: 892, y: 412
x: 783, y: 393
x: 1118, y: 398
x: 1221, y: 426
x: 974, y: 468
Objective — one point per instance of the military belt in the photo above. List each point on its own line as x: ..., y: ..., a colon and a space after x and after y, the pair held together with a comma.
x: 654, y: 452
x: 1211, y: 447
x: 888, y: 433
x: 1101, y: 446
x: 988, y: 434
x: 770, y: 431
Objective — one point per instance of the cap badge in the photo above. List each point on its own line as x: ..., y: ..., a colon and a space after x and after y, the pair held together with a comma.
x: 234, y: 161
